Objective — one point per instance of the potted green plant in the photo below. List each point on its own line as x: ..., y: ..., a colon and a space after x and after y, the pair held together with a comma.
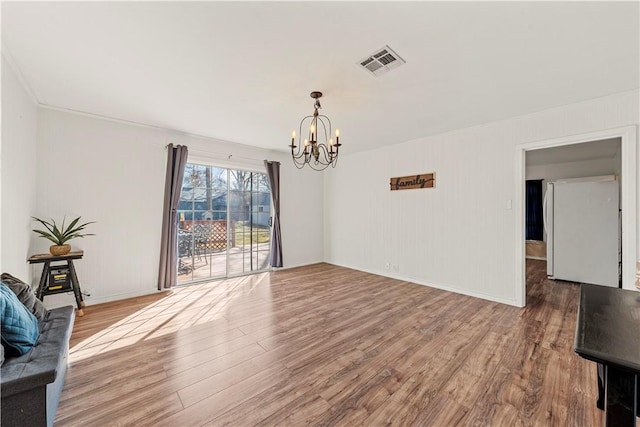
x: 61, y: 235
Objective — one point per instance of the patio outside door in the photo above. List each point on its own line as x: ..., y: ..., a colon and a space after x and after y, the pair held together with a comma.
x: 223, y: 223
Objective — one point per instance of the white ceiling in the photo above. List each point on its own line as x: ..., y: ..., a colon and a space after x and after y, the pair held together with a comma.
x: 243, y: 71
x: 594, y: 150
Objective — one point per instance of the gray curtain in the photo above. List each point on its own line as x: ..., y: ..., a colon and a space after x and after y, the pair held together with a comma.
x: 176, y: 161
x: 273, y: 172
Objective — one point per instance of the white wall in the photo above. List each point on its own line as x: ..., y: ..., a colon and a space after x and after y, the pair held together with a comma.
x: 19, y: 170
x: 301, y: 216
x: 113, y: 173
x: 460, y: 235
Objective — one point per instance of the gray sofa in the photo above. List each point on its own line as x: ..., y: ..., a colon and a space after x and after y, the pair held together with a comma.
x: 32, y: 383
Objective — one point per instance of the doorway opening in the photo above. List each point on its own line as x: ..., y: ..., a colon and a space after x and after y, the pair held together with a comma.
x: 579, y: 158
x: 572, y: 213
x: 224, y: 219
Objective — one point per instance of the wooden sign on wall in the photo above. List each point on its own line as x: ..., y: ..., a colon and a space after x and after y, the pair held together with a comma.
x: 425, y: 180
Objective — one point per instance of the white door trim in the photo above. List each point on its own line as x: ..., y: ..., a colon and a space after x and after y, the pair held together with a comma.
x: 629, y: 202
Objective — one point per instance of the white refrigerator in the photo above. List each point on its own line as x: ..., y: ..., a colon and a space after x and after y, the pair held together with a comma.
x: 582, y: 225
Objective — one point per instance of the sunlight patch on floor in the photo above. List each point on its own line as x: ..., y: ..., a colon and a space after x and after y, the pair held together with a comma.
x: 206, y: 302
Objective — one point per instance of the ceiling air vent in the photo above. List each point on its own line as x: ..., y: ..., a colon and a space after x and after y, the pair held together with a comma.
x: 381, y: 61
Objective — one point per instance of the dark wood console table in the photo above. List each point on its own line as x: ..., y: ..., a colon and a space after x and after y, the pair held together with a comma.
x: 46, y: 288
x: 608, y: 332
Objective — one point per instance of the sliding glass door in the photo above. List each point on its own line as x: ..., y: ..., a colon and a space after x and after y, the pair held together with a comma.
x: 250, y: 214
x: 224, y: 223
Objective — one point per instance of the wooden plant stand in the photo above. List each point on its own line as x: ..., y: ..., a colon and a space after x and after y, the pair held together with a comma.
x: 45, y: 288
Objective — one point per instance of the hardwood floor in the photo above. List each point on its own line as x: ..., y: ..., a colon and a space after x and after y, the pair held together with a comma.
x: 325, y: 345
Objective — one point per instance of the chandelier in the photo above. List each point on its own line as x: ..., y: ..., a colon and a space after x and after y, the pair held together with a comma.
x: 317, y: 155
